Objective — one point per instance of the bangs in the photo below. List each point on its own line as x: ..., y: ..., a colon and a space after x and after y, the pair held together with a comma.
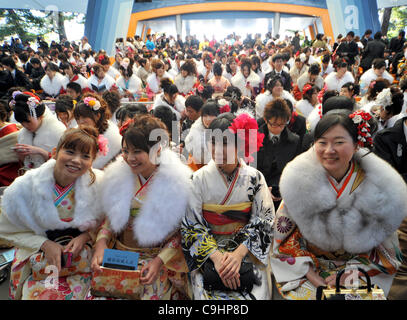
x: 136, y: 139
x: 81, y: 142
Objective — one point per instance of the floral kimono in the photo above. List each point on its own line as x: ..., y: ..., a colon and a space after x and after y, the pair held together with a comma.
x: 144, y: 216
x: 228, y: 211
x: 29, y: 279
x: 341, y: 224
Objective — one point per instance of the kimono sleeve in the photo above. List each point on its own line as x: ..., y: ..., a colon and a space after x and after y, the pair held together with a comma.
x: 197, y: 242
x: 257, y: 235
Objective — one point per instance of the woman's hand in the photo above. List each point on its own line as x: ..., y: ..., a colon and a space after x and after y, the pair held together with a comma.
x: 314, y: 278
x: 345, y: 279
x: 273, y: 197
x: 53, y: 252
x: 150, y: 272
x: 26, y: 150
x: 76, y: 245
x: 98, y: 253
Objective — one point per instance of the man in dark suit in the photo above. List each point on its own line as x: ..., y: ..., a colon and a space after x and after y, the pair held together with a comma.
x: 374, y: 49
x: 24, y: 58
x: 349, y: 48
x: 18, y: 78
x: 296, y: 42
x: 37, y: 73
x: 396, y: 43
x: 367, y: 37
x: 278, y: 64
x: 280, y: 145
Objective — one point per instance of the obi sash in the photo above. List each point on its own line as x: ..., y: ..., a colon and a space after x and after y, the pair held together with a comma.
x: 227, y: 219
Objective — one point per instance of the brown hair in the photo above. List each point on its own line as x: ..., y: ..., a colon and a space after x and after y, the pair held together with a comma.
x: 156, y: 64
x: 84, y: 140
x: 83, y: 110
x: 138, y: 133
x: 278, y: 108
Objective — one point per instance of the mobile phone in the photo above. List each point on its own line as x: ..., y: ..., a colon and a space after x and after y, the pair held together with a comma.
x: 66, y: 259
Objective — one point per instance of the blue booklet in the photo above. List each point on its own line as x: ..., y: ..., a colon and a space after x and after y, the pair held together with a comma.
x: 118, y: 259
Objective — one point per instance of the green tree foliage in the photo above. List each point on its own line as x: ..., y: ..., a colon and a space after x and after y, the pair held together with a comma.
x: 398, y: 21
x: 27, y: 26
x: 22, y: 23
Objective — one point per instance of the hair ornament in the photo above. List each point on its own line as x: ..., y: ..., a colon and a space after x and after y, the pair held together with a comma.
x: 243, y: 125
x: 92, y: 102
x: 384, y: 98
x: 103, y: 145
x: 361, y: 118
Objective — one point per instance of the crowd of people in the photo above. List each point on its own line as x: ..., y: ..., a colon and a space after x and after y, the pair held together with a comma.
x: 308, y: 177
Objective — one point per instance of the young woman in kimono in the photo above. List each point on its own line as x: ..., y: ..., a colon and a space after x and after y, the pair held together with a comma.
x: 351, y: 218
x: 230, y: 216
x: 145, y: 195
x: 57, y: 200
x: 93, y: 111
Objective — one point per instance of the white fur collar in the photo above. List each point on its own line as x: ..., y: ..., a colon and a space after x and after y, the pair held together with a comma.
x: 29, y: 203
x: 54, y: 86
x: 114, y: 138
x: 164, y: 205
x: 356, y: 223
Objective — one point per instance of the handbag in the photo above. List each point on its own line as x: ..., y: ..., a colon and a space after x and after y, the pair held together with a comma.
x: 342, y: 293
x: 212, y: 280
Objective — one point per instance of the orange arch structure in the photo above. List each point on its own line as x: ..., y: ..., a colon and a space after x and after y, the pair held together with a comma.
x: 232, y: 6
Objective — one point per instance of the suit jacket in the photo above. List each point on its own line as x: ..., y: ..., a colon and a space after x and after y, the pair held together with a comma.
x: 272, y: 158
x: 36, y: 76
x: 21, y: 80
x: 286, y: 78
x: 350, y: 50
x: 391, y: 145
x: 374, y: 49
x: 396, y: 44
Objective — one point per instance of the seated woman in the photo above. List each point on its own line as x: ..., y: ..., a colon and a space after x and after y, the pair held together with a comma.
x: 100, y: 81
x: 218, y: 82
x: 170, y: 98
x: 128, y: 83
x: 54, y: 202
x: 145, y: 195
x: 93, y: 111
x: 229, y: 221
x: 351, y: 220
x: 247, y: 80
x: 153, y: 86
x: 9, y: 163
x: 72, y: 73
x: 274, y: 89
x: 186, y: 79
x: 309, y: 100
x: 64, y: 106
x: 53, y: 83
x: 41, y: 130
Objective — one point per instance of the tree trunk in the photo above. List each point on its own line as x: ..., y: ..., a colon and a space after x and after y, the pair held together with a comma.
x: 386, y: 20
x: 61, y: 26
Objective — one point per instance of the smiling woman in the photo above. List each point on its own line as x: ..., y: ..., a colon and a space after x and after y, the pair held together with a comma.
x: 359, y: 204
x: 48, y: 214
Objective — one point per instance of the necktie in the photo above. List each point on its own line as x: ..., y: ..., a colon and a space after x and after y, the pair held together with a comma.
x: 274, y: 139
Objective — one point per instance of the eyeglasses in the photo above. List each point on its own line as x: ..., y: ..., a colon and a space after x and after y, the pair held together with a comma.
x: 276, y: 125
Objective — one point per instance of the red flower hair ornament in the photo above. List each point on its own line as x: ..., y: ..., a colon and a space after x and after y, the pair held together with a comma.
x: 361, y: 118
x: 246, y: 129
x: 125, y: 126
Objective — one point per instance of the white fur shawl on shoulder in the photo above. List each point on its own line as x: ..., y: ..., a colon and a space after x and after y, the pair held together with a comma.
x: 163, y: 207
x: 356, y: 223
x: 28, y: 202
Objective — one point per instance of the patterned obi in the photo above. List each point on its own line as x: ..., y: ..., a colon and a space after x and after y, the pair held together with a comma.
x: 227, y: 219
